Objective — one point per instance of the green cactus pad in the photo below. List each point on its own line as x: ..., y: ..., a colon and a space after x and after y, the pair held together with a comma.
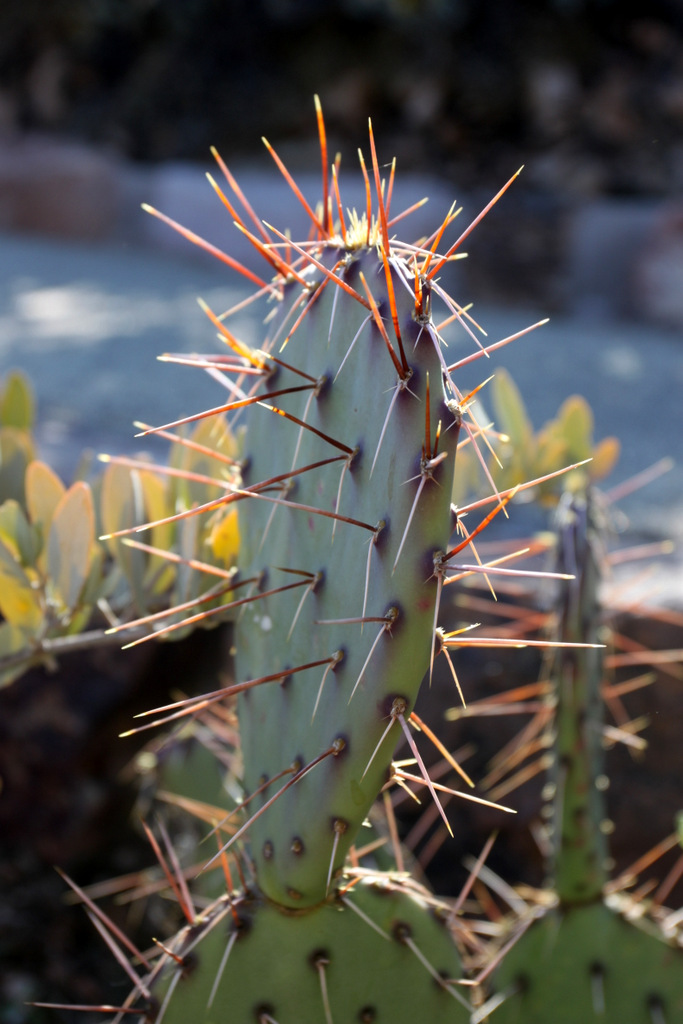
x: 378, y: 954
x: 341, y: 570
x: 588, y: 964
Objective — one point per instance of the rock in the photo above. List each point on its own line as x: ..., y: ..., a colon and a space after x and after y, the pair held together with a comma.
x: 57, y: 188
x: 659, y: 268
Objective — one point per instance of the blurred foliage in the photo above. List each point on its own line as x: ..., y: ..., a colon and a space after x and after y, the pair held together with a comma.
x: 520, y: 454
x: 57, y: 579
x: 456, y: 86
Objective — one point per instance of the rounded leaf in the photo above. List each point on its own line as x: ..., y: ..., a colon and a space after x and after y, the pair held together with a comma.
x: 605, y: 457
x: 70, y: 543
x: 44, y: 491
x: 16, y: 403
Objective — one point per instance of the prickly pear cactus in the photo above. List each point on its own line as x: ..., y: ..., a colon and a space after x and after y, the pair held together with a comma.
x: 585, y: 956
x: 353, y: 422
x: 353, y: 419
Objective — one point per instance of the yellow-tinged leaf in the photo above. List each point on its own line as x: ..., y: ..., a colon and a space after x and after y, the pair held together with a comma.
x: 44, y: 491
x: 605, y: 457
x: 16, y: 404
x: 70, y: 543
x: 20, y: 602
x: 224, y: 538
x: 160, y: 573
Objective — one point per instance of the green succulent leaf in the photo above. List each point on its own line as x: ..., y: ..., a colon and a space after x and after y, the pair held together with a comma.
x: 576, y: 419
x: 511, y: 415
x: 23, y: 540
x: 20, y: 603
x: 13, y: 640
x: 16, y: 402
x: 16, y: 451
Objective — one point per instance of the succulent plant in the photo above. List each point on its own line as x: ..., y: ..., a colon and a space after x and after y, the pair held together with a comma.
x: 60, y: 588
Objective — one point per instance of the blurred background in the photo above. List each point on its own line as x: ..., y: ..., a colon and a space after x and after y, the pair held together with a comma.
x: 108, y: 103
